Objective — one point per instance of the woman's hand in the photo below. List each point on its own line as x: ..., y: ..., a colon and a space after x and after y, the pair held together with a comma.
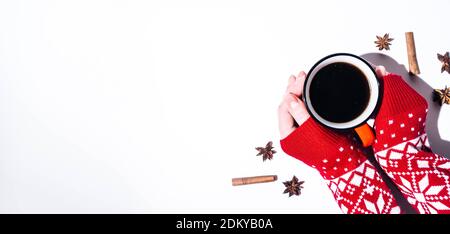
x: 292, y: 109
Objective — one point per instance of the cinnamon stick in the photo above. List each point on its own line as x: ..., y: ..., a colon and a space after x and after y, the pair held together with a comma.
x: 253, y: 180
x: 412, y: 57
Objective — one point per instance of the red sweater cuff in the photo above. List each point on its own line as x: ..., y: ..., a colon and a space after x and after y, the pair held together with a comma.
x: 331, y: 152
x: 402, y: 114
x: 399, y: 97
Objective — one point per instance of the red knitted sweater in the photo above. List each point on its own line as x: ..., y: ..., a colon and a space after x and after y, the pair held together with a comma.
x: 401, y: 148
x: 356, y: 185
x: 403, y: 151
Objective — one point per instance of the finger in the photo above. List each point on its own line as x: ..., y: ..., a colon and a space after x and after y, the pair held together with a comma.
x: 285, y: 120
x: 301, y: 73
x: 381, y: 71
x: 297, y: 87
x: 291, y: 81
x: 300, y: 82
x: 297, y: 109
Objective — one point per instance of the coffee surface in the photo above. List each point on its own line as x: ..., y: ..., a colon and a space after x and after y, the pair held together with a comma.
x: 339, y: 92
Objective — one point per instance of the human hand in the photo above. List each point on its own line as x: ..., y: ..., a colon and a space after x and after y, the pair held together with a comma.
x: 336, y: 156
x: 381, y: 71
x: 293, y: 110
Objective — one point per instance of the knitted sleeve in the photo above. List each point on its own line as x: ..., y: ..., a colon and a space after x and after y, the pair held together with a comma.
x: 402, y: 148
x: 356, y: 185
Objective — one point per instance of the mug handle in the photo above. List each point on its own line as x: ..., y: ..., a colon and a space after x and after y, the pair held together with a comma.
x: 365, y: 134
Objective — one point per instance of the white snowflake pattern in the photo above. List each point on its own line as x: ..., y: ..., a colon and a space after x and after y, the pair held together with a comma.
x: 419, y: 197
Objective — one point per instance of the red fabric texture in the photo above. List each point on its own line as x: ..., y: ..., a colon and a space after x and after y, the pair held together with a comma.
x: 356, y: 185
x: 402, y: 149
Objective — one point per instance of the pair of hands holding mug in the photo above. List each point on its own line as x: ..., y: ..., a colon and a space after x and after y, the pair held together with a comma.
x: 292, y: 109
x: 401, y: 149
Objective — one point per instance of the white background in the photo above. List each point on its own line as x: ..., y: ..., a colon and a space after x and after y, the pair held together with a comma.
x: 139, y: 106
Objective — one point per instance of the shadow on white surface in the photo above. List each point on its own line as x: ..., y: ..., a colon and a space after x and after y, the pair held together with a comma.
x: 438, y: 145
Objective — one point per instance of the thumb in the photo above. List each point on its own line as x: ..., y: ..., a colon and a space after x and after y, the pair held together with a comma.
x: 298, y: 110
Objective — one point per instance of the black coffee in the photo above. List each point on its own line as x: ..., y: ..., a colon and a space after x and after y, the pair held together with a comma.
x: 339, y: 92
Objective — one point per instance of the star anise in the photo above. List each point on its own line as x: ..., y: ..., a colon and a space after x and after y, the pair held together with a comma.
x: 266, y: 152
x: 445, y: 60
x: 443, y: 95
x: 293, y: 187
x: 383, y: 42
